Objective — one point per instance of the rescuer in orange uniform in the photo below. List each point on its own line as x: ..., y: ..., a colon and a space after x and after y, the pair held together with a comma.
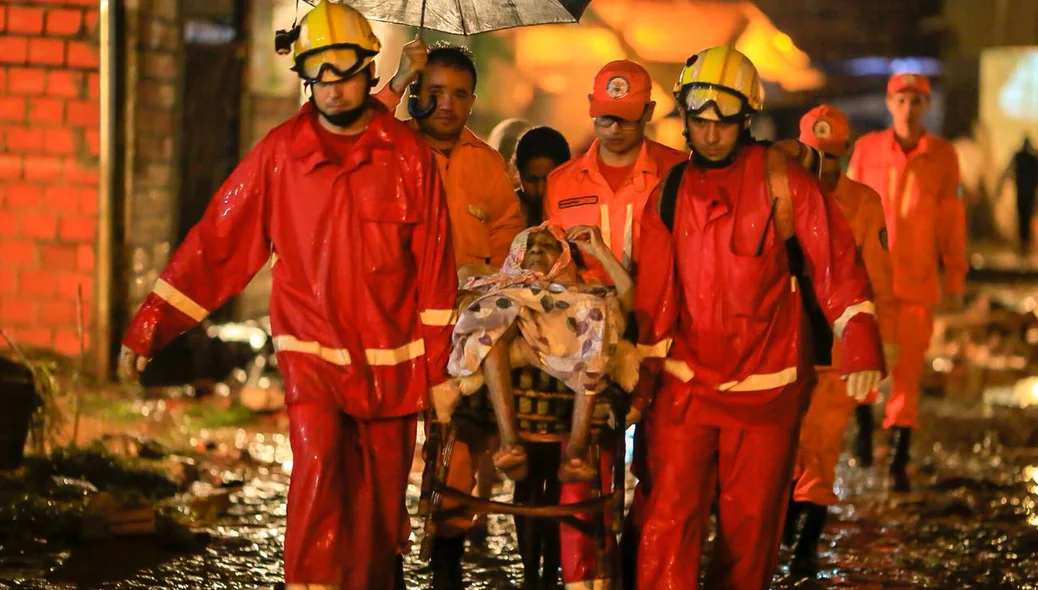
x: 484, y: 209
x: 485, y: 216
x: 826, y: 130
x: 608, y: 187
x: 917, y: 177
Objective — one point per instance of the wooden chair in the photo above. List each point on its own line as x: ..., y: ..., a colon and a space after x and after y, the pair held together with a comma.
x: 544, y: 407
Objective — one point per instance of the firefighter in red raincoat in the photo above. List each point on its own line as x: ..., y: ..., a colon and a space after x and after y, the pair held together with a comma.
x: 717, y: 306
x: 347, y: 202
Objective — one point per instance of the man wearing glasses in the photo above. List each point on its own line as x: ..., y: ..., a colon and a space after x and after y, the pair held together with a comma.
x: 607, y: 188
x: 609, y: 185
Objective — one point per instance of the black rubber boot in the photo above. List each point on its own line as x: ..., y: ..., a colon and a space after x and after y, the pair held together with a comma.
x: 789, y: 529
x: 805, y: 555
x: 863, y: 443
x: 446, y: 562
x: 898, y: 468
x: 629, y: 555
x: 400, y: 582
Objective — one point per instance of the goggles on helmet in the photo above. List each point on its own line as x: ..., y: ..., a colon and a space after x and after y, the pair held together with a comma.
x: 335, y: 64
x: 716, y: 103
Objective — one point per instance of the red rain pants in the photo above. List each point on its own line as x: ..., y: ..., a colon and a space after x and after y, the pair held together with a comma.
x: 347, y: 520
x: 691, y: 462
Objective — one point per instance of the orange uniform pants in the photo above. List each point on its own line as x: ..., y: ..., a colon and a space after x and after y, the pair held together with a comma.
x: 913, y: 332
x: 472, y: 441
x: 821, y: 440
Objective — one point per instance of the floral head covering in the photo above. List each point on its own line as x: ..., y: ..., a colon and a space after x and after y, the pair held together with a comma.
x: 512, y: 270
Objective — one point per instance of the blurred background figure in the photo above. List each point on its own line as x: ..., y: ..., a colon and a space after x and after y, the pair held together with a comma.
x: 504, y: 137
x: 539, y: 151
x: 1023, y: 167
x: 916, y: 174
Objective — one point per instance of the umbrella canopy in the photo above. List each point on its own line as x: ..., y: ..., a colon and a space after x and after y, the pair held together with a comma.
x: 470, y: 17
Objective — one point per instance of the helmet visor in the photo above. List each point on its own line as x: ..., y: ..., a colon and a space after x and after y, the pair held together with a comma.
x: 330, y: 65
x: 710, y: 102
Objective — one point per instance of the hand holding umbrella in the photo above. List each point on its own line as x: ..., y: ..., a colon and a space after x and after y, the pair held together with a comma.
x: 464, y: 18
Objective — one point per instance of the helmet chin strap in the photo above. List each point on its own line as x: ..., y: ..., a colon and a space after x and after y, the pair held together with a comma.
x: 347, y: 117
x: 342, y: 118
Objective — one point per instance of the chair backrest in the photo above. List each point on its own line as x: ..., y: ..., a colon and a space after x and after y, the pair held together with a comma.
x: 543, y: 407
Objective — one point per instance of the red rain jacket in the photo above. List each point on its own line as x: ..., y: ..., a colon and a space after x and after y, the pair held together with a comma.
x: 712, y: 312
x: 363, y: 274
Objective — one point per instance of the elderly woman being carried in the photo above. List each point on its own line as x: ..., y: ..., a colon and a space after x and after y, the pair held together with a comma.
x: 543, y: 309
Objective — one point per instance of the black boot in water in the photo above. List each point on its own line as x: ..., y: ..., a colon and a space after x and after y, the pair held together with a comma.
x: 789, y: 529
x: 446, y: 562
x: 805, y: 555
x: 863, y: 443
x: 899, y: 467
x: 401, y: 582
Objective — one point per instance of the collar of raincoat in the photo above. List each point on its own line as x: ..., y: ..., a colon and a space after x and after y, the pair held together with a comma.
x: 512, y: 270
x: 308, y: 147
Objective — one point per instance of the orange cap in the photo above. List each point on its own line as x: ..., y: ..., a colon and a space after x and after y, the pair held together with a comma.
x: 622, y: 89
x: 826, y: 128
x: 908, y: 82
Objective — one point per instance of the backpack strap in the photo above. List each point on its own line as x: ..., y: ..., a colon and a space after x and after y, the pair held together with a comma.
x: 776, y: 164
x: 668, y: 199
x: 668, y: 203
x: 777, y: 173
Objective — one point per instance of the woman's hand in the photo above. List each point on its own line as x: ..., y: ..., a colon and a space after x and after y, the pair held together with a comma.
x: 589, y: 239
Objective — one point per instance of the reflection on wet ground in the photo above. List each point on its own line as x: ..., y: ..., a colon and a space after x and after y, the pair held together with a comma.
x: 972, y: 523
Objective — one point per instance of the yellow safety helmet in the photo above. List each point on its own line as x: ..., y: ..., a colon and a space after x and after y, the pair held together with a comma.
x: 719, y: 83
x: 335, y: 42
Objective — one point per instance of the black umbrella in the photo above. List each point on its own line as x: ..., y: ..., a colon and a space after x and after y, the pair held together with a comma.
x: 470, y: 17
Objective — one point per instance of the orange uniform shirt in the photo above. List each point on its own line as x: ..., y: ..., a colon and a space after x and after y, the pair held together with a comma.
x: 863, y: 210
x: 926, y: 220
x: 578, y: 194
x: 484, y: 210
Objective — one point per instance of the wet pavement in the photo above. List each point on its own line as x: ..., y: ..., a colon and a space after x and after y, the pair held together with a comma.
x: 971, y: 523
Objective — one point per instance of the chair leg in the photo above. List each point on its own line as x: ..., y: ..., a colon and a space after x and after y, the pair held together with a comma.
x: 438, y: 460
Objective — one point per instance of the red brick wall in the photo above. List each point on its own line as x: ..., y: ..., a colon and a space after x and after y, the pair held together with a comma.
x: 49, y: 125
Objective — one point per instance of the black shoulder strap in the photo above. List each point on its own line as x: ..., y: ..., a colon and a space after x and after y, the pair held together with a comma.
x: 669, y: 198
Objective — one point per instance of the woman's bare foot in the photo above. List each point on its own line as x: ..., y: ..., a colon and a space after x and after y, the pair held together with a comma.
x: 576, y: 470
x: 511, y: 460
